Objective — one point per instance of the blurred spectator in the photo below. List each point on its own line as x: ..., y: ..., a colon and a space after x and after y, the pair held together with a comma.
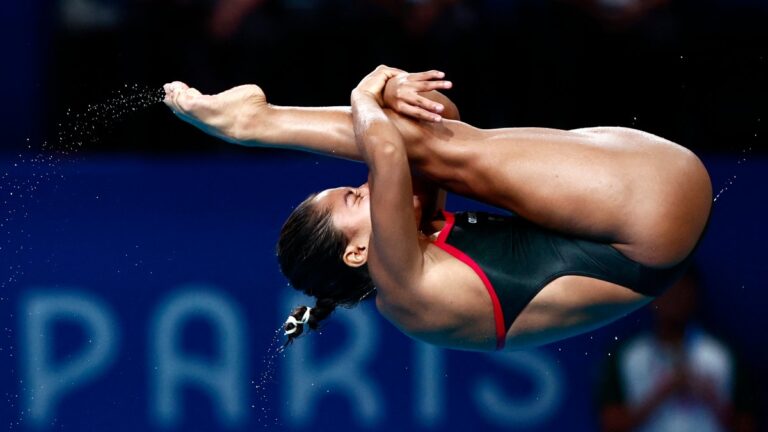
x: 421, y: 16
x: 228, y: 15
x: 621, y: 13
x: 678, y: 378
x: 86, y: 15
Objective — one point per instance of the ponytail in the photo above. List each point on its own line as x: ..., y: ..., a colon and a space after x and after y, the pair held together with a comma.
x: 310, y: 316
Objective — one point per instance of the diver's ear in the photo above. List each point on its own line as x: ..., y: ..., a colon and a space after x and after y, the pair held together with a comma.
x: 355, y: 255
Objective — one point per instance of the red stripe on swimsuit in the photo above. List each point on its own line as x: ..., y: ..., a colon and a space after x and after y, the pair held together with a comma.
x: 498, y: 315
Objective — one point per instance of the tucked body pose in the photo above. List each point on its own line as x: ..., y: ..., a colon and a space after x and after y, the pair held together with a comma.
x: 604, y: 218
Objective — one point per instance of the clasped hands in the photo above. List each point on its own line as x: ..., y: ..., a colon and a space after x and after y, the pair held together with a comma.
x: 403, y: 91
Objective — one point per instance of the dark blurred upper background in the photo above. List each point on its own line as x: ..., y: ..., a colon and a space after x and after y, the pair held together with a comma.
x: 690, y: 70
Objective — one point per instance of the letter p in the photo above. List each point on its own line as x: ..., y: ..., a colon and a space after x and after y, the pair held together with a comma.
x: 47, y: 382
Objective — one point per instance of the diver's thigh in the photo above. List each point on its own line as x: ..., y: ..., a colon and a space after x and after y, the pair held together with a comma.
x: 571, y: 305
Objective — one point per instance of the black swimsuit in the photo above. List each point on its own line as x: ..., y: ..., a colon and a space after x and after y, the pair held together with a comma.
x: 515, y: 259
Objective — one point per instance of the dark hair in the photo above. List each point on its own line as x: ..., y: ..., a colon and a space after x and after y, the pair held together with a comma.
x: 310, y: 252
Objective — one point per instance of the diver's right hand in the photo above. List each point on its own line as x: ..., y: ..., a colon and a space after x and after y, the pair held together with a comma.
x: 373, y: 83
x: 405, y: 92
x: 225, y: 115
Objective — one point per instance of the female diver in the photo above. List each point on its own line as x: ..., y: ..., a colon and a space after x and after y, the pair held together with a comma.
x: 605, y: 218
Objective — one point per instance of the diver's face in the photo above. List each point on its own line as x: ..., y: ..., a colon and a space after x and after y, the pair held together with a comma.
x: 350, y: 209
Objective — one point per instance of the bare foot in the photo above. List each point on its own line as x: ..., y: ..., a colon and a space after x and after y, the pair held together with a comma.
x: 225, y: 115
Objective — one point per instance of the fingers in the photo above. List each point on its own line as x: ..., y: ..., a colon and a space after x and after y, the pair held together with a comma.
x: 425, y: 76
x: 425, y: 86
x: 411, y: 102
x: 427, y: 104
x: 413, y: 98
x: 428, y: 75
x: 427, y: 81
x: 420, y: 107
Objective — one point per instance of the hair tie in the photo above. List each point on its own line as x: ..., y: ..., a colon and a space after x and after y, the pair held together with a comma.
x: 295, y: 322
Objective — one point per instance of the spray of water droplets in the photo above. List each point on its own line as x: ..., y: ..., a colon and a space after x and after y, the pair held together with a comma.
x: 39, y: 166
x: 19, y: 182
x: 79, y: 129
x: 745, y: 152
x: 732, y: 179
x: 262, y: 386
x: 35, y: 167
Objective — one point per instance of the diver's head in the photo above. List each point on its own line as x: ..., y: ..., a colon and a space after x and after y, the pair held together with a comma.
x: 323, y: 251
x: 350, y: 214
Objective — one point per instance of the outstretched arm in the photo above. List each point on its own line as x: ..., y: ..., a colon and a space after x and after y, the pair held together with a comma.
x: 242, y: 115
